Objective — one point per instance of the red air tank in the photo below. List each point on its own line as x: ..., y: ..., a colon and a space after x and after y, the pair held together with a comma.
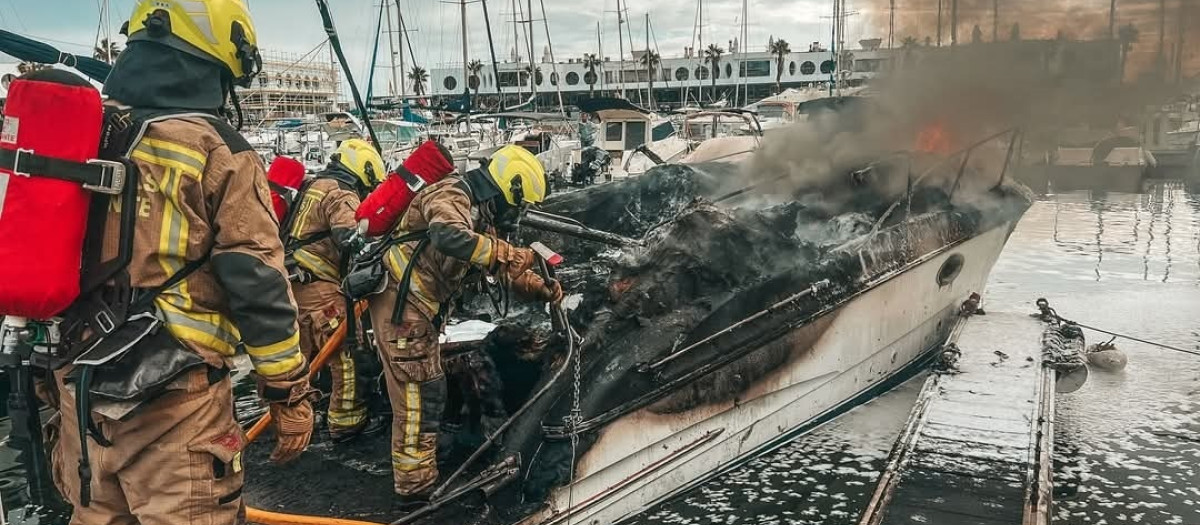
x: 428, y: 164
x: 43, y: 220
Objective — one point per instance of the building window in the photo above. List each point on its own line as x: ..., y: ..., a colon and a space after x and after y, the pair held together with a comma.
x: 553, y: 79
x: 755, y: 68
x: 728, y: 70
x: 450, y: 83
x: 827, y: 67
x: 608, y: 77
x: 701, y: 73
x: 792, y: 68
x: 808, y: 68
x: 263, y: 80
x: 573, y: 78
x: 681, y: 74
x: 537, y: 77
x: 507, y: 78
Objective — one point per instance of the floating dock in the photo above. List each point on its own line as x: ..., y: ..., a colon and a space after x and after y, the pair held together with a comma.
x: 977, y: 447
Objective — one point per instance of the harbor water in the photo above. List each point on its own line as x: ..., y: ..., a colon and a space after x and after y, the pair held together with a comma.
x: 1127, y: 445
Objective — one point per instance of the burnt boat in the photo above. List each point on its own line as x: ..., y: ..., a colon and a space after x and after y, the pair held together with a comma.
x: 727, y: 324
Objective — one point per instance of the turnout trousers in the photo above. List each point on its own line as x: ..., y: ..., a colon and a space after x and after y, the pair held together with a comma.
x: 322, y: 308
x: 416, y: 385
x: 176, y: 461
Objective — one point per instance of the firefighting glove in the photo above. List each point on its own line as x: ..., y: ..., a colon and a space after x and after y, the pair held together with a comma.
x: 291, y: 410
x: 530, y: 284
x: 511, y: 262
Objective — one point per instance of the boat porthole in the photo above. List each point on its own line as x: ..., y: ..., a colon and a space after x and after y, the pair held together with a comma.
x: 950, y: 270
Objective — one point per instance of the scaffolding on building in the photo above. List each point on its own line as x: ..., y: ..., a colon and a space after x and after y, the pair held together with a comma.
x: 291, y: 86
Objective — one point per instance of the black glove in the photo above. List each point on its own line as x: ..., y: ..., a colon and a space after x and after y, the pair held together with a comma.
x: 350, y: 242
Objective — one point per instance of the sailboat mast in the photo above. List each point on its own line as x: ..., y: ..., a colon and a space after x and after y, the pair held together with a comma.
x: 553, y: 63
x: 487, y: 23
x: 466, y: 71
x: 600, y: 57
x: 742, y: 47
x: 391, y: 47
x: 516, y: 48
x: 621, y: 45
x: 533, y: 68
x: 629, y: 35
x: 700, y: 55
x: 649, y: 66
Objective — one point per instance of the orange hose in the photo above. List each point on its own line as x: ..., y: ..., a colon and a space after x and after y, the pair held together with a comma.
x: 332, y: 346
x: 264, y: 517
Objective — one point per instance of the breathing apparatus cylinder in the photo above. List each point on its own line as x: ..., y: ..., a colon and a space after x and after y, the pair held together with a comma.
x: 43, y: 218
x: 382, y: 209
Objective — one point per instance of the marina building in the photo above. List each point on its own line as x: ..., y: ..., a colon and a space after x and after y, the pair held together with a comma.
x: 745, y: 76
x: 291, y: 86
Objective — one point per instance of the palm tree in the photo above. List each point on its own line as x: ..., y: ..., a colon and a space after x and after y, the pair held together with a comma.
x: 534, y: 73
x: 651, y: 60
x: 591, y: 62
x: 780, y: 48
x: 712, y: 55
x: 474, y: 67
x: 418, y: 76
x: 106, y: 51
x: 30, y: 67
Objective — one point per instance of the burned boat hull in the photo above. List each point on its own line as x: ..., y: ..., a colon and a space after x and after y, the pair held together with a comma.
x: 859, y: 346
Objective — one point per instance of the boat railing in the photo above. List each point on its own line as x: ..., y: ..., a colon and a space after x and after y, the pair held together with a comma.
x: 961, y: 157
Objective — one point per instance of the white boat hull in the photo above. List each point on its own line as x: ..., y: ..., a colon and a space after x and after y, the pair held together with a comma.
x: 838, y: 360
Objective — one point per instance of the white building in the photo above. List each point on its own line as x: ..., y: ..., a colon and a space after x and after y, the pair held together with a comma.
x: 675, y: 77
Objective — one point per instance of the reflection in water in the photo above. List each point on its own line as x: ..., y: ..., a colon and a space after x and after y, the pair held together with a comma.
x: 822, y: 478
x: 1127, y: 445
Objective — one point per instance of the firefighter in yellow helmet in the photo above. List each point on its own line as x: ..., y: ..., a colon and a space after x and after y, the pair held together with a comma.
x: 208, y: 262
x: 321, y: 237
x: 460, y: 217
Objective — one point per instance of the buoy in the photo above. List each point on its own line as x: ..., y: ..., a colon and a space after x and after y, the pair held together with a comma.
x: 1107, y: 357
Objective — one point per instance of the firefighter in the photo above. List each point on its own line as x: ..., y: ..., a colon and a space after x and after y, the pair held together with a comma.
x: 203, y: 215
x: 323, y: 234
x: 460, y: 216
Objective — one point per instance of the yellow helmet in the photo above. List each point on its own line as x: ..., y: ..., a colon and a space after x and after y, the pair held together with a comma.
x: 519, y: 175
x: 217, y: 30
x: 360, y: 158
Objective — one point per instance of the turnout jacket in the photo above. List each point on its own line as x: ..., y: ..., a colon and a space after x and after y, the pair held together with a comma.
x: 326, y: 206
x: 456, y: 242
x: 202, y: 189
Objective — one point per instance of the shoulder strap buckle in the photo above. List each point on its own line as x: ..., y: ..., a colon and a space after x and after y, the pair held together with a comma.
x: 16, y: 165
x: 112, y: 177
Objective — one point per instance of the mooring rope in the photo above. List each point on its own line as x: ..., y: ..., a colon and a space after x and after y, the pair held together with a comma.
x: 1046, y: 310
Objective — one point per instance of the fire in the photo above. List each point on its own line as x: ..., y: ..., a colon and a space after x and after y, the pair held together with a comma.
x: 934, y: 139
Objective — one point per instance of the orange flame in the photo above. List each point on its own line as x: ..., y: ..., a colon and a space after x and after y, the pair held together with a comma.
x: 934, y: 139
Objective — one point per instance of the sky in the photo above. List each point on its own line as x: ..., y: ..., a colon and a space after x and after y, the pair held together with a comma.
x: 434, y: 26
x: 294, y: 26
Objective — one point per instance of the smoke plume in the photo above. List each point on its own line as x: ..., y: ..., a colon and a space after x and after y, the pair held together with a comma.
x: 936, y: 102
x: 1164, y: 41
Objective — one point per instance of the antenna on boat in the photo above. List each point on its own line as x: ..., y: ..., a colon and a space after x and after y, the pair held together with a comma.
x: 336, y: 44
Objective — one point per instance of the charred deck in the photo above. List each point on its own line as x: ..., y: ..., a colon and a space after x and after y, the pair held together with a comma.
x: 976, y: 449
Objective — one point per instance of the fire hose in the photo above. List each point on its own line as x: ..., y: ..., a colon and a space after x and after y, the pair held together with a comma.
x: 253, y: 515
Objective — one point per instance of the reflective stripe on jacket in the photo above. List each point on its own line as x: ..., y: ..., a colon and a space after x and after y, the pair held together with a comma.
x: 202, y: 189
